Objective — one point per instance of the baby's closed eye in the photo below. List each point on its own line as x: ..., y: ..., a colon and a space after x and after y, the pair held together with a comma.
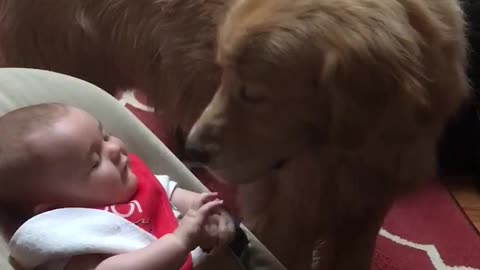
x: 96, y: 160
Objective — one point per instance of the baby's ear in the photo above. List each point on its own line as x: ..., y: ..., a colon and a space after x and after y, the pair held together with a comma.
x: 43, y: 207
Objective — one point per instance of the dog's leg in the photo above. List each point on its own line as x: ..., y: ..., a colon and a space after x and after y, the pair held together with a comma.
x: 293, y: 248
x: 348, y: 246
x: 355, y: 241
x: 277, y: 223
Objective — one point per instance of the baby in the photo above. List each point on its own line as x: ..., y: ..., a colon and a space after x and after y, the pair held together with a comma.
x: 56, y: 156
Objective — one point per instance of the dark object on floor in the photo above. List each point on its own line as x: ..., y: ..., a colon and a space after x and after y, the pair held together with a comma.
x: 240, y: 242
x: 459, y: 150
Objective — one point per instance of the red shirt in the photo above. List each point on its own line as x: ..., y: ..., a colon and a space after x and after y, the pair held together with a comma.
x: 149, y: 208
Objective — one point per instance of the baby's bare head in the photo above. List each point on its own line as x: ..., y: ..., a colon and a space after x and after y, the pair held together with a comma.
x: 54, y: 155
x: 21, y: 164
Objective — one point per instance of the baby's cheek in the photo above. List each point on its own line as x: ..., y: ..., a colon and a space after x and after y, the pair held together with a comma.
x: 131, y: 176
x: 106, y: 178
x: 131, y: 183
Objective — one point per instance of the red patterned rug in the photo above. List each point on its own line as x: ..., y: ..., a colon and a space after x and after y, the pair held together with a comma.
x: 425, y: 231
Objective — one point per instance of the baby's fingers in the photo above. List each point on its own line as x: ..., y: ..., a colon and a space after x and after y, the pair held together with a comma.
x: 208, y: 197
x: 226, y: 230
x: 205, y: 210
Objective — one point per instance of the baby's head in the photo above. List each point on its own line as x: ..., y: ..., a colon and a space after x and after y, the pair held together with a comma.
x: 53, y: 155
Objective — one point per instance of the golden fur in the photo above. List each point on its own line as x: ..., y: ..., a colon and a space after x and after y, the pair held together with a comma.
x: 327, y: 110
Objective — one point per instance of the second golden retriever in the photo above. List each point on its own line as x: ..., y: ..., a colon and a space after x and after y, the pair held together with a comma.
x: 327, y: 110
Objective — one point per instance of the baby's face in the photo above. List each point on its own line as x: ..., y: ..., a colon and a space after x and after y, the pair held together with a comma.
x: 85, y: 165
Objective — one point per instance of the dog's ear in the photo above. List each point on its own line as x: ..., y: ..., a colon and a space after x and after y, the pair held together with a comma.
x: 375, y: 81
x: 393, y: 70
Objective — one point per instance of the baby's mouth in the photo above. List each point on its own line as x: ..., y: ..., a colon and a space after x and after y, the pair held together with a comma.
x: 125, y: 166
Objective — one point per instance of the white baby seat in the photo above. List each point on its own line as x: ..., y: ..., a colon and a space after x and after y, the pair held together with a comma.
x: 22, y: 87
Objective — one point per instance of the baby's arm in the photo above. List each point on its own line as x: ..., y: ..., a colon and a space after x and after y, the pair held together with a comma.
x: 168, y: 252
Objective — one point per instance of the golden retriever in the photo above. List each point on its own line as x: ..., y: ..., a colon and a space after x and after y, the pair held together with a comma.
x: 326, y: 111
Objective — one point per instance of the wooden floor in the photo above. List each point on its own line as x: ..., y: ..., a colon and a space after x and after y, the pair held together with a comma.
x: 468, y: 197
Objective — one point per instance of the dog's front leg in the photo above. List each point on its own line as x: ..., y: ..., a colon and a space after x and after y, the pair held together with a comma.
x: 279, y: 227
x: 355, y: 241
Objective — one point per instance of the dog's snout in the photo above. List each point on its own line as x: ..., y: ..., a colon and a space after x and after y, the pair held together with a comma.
x: 197, y: 153
x: 202, y: 144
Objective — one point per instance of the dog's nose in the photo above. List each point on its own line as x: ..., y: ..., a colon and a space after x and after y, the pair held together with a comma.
x: 197, y: 153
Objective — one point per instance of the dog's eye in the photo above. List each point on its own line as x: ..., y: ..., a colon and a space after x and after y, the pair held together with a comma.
x: 249, y: 98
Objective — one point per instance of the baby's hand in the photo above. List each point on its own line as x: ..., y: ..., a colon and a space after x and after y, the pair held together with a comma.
x: 191, y: 229
x: 221, y: 226
x: 202, y: 198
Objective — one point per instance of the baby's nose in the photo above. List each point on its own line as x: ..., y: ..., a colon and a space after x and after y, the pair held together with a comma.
x: 113, y: 151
